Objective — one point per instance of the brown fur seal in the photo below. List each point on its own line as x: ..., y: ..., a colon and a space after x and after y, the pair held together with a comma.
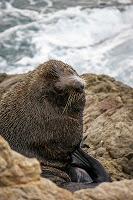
x: 41, y: 113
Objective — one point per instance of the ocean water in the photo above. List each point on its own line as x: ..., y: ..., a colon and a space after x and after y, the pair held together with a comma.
x: 93, y: 36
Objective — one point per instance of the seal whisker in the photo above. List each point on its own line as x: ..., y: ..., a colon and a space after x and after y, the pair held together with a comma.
x: 67, y: 103
x: 70, y: 99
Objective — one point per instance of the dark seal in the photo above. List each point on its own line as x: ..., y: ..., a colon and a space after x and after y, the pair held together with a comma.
x: 41, y: 113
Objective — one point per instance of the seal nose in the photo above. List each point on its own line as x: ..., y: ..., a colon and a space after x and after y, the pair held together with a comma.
x: 79, y: 87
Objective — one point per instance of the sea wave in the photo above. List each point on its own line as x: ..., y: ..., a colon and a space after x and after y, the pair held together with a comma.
x: 98, y: 40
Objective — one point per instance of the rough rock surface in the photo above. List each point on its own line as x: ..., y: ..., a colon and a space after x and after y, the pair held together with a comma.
x: 118, y: 190
x: 15, y: 168
x: 108, y: 124
x: 20, y: 178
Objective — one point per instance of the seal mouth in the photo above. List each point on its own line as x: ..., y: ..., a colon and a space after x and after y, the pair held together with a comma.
x: 68, y: 101
x: 73, y: 101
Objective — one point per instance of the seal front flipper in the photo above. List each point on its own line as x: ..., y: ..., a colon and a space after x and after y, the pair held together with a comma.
x: 78, y: 175
x: 92, y: 166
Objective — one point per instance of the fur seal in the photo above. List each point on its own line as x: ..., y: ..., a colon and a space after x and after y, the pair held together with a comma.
x: 41, y: 113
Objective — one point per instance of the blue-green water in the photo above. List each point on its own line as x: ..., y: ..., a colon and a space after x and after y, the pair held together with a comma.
x: 93, y: 36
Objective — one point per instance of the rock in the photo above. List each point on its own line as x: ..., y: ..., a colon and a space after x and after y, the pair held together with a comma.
x: 118, y: 190
x: 15, y: 168
x: 108, y: 124
x: 20, y: 178
x: 41, y: 190
x: 3, y: 76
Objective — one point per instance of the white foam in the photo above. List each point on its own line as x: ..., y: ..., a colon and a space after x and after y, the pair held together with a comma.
x: 90, y: 40
x: 124, y: 1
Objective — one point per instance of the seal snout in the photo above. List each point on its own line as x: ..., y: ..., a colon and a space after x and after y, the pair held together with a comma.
x: 76, y: 83
x: 79, y: 86
x: 71, y: 82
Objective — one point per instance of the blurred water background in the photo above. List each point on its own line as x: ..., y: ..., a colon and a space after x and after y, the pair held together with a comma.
x: 93, y: 36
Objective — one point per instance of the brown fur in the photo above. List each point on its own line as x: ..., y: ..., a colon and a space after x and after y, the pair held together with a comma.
x: 34, y: 115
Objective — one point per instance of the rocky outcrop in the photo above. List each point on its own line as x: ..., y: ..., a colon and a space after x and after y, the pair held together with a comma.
x: 108, y: 124
x: 20, y: 178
